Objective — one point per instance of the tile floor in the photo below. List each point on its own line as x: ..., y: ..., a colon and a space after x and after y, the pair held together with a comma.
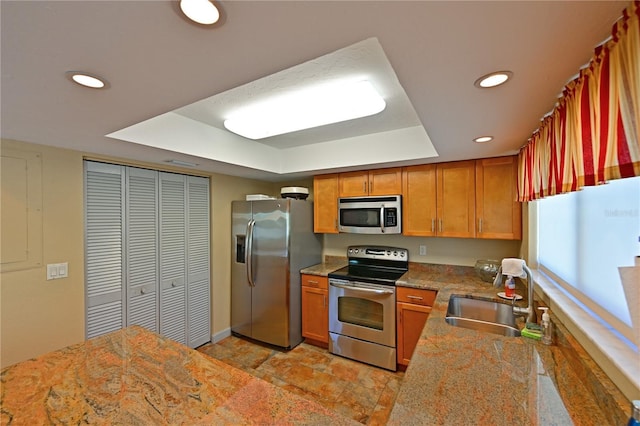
x: 359, y: 391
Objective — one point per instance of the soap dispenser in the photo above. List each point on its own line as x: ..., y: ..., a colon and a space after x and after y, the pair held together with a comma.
x: 634, y: 420
x: 546, y: 327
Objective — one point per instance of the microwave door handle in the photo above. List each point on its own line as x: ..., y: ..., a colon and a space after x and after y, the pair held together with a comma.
x: 382, y: 218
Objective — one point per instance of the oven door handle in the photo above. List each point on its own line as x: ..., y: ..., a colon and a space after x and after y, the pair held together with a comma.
x: 366, y: 290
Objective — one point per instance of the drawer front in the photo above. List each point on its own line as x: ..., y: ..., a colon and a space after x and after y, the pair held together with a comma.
x: 315, y: 281
x: 415, y: 295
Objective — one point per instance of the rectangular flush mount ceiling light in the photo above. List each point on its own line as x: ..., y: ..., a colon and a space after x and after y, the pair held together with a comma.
x: 307, y: 108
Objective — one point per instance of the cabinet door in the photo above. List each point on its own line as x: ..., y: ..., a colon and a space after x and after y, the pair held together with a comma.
x: 104, y: 233
x: 198, y: 306
x: 499, y: 215
x: 354, y: 184
x: 411, y: 319
x: 385, y: 181
x: 142, y: 248
x: 456, y: 199
x: 315, y: 314
x: 325, y: 204
x: 419, y: 200
x: 172, y: 257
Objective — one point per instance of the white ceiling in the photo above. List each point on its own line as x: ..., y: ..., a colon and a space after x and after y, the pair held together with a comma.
x: 170, y: 76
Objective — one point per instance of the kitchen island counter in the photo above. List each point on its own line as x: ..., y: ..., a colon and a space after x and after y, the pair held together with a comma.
x: 133, y: 376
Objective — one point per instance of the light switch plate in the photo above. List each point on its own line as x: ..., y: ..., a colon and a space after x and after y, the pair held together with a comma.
x: 63, y: 270
x: 423, y: 250
x: 52, y: 271
x: 57, y: 270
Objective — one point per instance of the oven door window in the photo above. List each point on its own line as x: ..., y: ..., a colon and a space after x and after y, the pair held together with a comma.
x: 362, y: 312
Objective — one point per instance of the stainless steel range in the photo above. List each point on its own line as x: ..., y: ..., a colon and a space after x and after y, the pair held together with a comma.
x: 362, y: 304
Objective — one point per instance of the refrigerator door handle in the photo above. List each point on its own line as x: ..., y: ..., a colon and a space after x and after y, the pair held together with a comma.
x: 248, y: 255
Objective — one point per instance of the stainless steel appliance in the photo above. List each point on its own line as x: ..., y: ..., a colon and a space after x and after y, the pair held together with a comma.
x: 370, y: 215
x: 272, y: 241
x: 362, y: 304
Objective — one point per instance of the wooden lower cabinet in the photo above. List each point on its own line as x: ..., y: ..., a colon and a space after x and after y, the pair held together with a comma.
x: 315, y: 309
x: 412, y: 310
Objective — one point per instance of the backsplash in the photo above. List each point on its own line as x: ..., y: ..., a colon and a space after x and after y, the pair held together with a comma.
x: 445, y: 251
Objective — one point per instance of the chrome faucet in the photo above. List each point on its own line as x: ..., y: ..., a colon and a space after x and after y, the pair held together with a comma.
x: 530, y: 310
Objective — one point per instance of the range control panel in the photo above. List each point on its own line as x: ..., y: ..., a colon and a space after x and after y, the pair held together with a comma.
x: 378, y: 252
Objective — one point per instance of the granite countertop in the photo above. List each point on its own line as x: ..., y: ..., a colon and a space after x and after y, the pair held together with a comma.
x: 460, y: 376
x: 330, y: 264
x: 133, y: 376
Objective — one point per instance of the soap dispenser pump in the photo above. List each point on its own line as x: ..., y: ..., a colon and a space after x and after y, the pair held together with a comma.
x: 546, y: 327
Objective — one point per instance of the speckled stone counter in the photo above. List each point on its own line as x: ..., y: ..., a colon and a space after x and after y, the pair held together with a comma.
x: 331, y: 263
x: 459, y: 376
x: 135, y: 377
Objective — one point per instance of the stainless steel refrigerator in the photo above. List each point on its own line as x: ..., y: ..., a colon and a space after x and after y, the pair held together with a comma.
x: 272, y: 240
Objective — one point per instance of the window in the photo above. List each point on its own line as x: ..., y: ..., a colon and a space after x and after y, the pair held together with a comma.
x: 584, y: 237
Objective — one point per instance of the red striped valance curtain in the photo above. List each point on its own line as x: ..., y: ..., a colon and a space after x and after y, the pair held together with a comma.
x: 592, y: 134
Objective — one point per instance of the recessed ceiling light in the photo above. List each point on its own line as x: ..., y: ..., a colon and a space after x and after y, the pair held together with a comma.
x: 310, y: 107
x: 492, y: 80
x: 87, y: 80
x: 200, y: 11
x: 483, y: 139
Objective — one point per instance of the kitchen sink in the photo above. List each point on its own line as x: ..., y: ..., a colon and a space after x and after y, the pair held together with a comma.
x: 482, y: 315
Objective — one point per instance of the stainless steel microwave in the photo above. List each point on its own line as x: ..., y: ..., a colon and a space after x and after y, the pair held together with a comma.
x: 370, y: 215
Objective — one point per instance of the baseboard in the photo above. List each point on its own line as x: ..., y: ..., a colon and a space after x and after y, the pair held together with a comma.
x: 215, y: 338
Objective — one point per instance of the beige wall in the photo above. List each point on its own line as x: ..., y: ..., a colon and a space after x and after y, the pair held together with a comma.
x: 449, y: 251
x: 38, y: 316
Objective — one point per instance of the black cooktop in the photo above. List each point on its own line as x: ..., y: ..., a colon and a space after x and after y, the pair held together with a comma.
x: 374, y: 264
x: 368, y: 273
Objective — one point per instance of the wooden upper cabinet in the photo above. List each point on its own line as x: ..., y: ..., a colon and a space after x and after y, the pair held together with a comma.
x: 499, y: 215
x: 325, y: 204
x: 372, y: 182
x: 419, y: 200
x: 456, y: 194
x: 385, y: 181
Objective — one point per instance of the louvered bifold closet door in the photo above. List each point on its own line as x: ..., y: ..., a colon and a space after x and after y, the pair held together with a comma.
x: 173, y: 257
x: 198, y: 314
x: 104, y: 217
x: 142, y: 248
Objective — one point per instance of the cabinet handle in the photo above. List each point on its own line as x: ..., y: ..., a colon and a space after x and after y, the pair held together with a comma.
x: 364, y: 186
x: 312, y: 281
x: 414, y: 297
x: 433, y: 226
x: 370, y: 186
x: 324, y: 301
x: 439, y: 225
x: 480, y: 225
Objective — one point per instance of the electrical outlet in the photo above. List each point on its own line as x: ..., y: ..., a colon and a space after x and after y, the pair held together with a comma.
x: 423, y: 250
